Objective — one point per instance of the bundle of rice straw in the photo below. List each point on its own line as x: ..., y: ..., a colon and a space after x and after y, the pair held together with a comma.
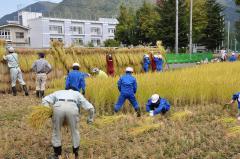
x: 182, y: 115
x: 39, y: 116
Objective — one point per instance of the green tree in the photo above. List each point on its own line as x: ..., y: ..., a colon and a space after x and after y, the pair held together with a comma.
x: 214, y: 31
x: 166, y: 25
x: 237, y: 2
x: 146, y: 28
x: 125, y: 29
x: 199, y: 18
x: 111, y: 43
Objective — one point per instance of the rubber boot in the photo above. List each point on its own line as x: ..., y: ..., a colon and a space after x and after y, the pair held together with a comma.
x: 25, y: 90
x: 138, y: 112
x: 38, y: 94
x: 57, y: 151
x: 75, y: 152
x: 42, y: 94
x: 14, y: 91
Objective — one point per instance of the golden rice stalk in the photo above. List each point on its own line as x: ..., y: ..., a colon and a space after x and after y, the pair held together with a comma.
x: 39, y: 116
x: 107, y: 120
x: 160, y: 47
x: 136, y: 131
x: 182, y: 115
x: 229, y: 120
x: 2, y: 49
x: 234, y: 131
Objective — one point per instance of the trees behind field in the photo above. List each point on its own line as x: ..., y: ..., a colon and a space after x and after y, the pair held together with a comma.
x: 157, y: 22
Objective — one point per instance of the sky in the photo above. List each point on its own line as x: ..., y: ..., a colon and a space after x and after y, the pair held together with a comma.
x: 10, y: 6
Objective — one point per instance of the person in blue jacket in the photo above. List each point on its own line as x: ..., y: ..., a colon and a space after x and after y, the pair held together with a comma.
x: 76, y: 79
x: 233, y: 58
x: 146, y: 63
x: 127, y: 87
x: 157, y: 105
x: 236, y: 97
x: 159, y: 62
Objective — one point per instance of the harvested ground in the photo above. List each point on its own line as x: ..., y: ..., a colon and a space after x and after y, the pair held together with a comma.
x: 202, y: 131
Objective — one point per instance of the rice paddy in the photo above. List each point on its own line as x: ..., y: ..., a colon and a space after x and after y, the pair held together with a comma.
x: 209, y: 133
x: 197, y: 126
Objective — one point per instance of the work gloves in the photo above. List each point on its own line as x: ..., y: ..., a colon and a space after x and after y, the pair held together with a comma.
x: 151, y: 113
x: 91, y: 116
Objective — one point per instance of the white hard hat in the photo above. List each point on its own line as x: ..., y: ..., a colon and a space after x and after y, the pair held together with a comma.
x: 156, y: 56
x: 129, y: 69
x: 155, y: 98
x: 233, y: 53
x: 160, y: 56
x: 10, y: 49
x: 95, y: 70
x: 146, y: 55
x: 75, y: 64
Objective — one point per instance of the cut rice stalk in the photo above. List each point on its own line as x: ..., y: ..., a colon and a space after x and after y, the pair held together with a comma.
x: 39, y: 116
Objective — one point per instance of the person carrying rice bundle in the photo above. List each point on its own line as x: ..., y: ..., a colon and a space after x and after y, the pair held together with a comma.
x: 66, y: 105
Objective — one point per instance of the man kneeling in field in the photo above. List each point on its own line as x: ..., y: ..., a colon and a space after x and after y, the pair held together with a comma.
x: 66, y: 105
x: 235, y: 97
x: 157, y: 105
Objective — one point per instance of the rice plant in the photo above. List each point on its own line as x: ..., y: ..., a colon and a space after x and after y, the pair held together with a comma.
x: 182, y: 115
x: 39, y: 116
x: 2, y: 49
x: 141, y: 129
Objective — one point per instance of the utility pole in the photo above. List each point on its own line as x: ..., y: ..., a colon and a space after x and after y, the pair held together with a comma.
x: 235, y: 45
x: 191, y: 14
x: 228, y: 36
x: 176, y: 40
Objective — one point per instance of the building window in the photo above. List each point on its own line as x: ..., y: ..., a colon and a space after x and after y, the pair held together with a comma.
x: 5, y: 34
x: 95, y: 31
x: 57, y: 39
x: 55, y: 29
x: 19, y: 35
x: 111, y: 30
x: 77, y: 41
x: 76, y: 30
x: 96, y: 42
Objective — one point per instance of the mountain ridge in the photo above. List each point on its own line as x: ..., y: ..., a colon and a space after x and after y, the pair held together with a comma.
x: 93, y: 9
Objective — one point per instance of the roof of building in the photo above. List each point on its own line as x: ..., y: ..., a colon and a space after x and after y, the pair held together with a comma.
x: 14, y: 25
x: 99, y: 21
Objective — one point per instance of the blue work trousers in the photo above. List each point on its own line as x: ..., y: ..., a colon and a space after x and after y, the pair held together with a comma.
x: 121, y: 100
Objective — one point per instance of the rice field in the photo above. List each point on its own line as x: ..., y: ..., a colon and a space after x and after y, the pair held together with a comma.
x: 209, y: 132
x: 197, y: 126
x: 62, y: 59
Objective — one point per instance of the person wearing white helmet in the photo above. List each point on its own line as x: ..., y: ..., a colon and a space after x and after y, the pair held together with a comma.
x: 146, y: 63
x: 233, y: 57
x: 99, y: 73
x: 127, y: 86
x: 76, y: 79
x: 157, y: 105
x: 159, y: 62
x: 223, y: 53
x: 235, y: 97
x: 15, y: 71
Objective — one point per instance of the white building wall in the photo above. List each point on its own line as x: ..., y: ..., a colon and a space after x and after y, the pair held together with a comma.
x: 40, y: 31
x: 67, y: 33
x: 45, y: 33
x: 25, y: 16
x: 36, y: 33
x: 87, y: 33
